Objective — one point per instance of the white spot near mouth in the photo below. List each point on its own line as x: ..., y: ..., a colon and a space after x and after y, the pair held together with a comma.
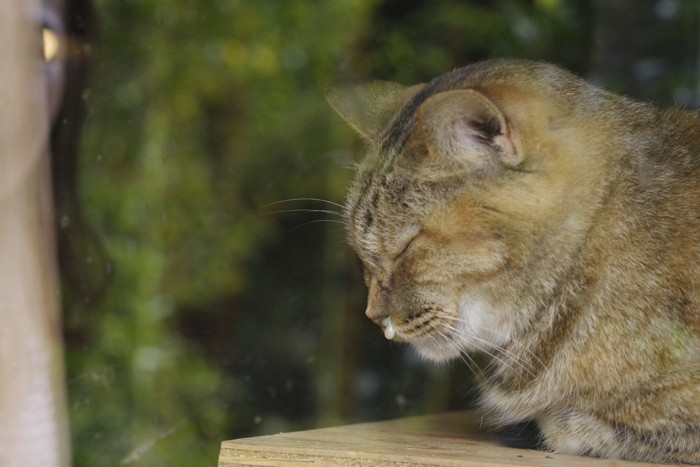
x: 388, y: 326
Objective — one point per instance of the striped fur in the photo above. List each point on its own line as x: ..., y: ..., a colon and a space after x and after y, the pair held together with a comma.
x: 512, y: 211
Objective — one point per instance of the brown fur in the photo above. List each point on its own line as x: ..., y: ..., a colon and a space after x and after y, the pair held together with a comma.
x: 510, y: 209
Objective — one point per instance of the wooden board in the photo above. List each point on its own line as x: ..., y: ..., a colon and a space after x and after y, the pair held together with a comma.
x: 452, y: 439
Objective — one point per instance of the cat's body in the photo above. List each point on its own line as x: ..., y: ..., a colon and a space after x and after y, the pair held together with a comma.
x: 511, y: 210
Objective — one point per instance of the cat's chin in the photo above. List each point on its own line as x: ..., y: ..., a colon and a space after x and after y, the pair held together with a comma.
x: 434, y: 352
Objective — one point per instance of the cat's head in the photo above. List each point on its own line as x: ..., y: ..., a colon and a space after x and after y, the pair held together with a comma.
x: 476, y: 189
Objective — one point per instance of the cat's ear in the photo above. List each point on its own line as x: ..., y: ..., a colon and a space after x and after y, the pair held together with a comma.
x: 467, y: 126
x: 370, y: 108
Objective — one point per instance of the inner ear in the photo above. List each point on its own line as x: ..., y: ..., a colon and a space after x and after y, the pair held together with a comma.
x: 466, y: 126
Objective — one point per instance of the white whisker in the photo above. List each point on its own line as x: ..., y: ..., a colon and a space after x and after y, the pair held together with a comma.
x: 322, y: 211
x: 529, y: 352
x: 320, y: 200
x: 484, y: 344
x: 468, y: 360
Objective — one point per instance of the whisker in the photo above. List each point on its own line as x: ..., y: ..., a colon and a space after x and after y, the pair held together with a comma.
x: 529, y: 352
x: 510, y: 356
x: 323, y: 211
x: 526, y: 366
x: 505, y: 351
x: 468, y: 360
x: 321, y: 200
x: 446, y: 340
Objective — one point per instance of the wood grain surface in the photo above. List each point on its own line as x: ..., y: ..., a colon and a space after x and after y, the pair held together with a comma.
x: 454, y: 439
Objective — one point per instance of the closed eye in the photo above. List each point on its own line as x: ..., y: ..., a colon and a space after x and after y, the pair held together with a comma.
x: 489, y: 208
x: 407, y: 242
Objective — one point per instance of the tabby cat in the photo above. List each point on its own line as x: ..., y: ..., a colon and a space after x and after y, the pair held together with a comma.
x: 510, y: 210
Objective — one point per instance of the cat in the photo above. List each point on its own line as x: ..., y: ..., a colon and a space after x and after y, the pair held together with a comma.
x: 511, y: 212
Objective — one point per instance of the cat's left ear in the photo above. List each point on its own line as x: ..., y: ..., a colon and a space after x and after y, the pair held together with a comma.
x: 370, y: 108
x: 466, y: 126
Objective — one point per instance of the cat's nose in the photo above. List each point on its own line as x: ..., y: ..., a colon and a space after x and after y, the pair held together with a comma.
x: 376, y: 299
x: 375, y: 313
x: 383, y: 320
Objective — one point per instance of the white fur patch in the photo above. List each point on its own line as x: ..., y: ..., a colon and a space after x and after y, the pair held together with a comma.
x: 479, y: 327
x: 483, y: 326
x: 563, y: 443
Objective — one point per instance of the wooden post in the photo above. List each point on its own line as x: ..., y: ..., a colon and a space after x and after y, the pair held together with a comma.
x: 33, y: 415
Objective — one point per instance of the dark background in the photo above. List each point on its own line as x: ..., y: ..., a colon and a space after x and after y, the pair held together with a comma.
x: 195, y: 311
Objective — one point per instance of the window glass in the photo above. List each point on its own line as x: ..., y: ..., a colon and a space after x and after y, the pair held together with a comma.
x: 208, y: 292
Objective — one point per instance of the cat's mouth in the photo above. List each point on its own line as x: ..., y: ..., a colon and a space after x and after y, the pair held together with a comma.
x: 433, y: 341
x: 435, y: 348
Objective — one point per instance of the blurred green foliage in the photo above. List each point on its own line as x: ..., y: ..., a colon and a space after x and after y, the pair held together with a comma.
x: 226, y: 317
